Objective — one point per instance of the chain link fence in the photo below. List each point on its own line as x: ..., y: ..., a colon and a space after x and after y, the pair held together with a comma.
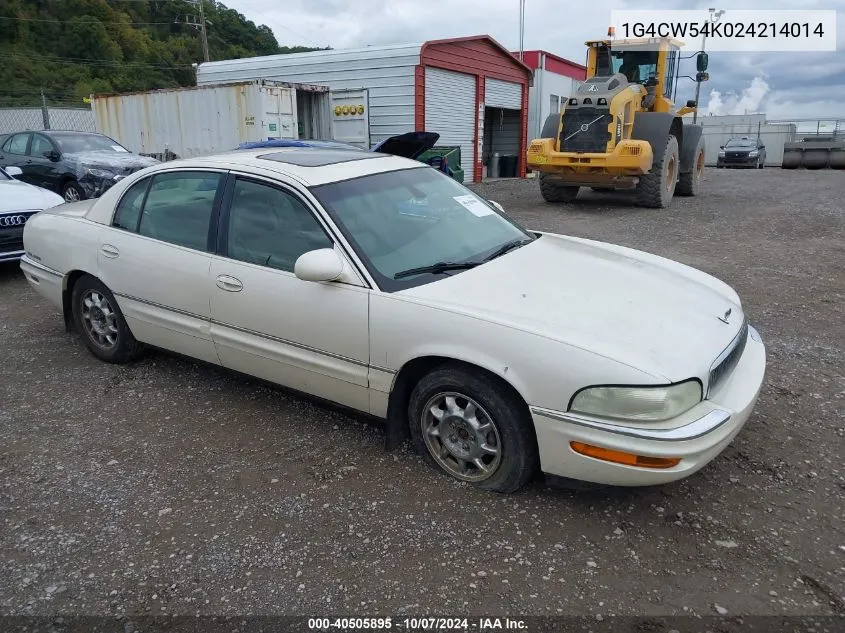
x: 46, y: 118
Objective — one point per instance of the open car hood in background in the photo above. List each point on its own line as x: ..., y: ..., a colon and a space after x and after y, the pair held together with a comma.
x: 409, y: 145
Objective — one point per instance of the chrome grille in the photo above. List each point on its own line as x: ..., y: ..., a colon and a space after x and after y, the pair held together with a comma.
x: 728, y: 359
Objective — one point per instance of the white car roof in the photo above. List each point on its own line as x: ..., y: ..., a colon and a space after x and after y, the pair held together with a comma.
x: 311, y: 166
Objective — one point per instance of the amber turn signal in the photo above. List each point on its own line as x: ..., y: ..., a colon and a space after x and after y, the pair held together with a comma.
x: 620, y: 457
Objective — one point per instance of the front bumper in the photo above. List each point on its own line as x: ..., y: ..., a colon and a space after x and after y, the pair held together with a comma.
x: 696, y: 437
x: 628, y: 158
x: 737, y: 162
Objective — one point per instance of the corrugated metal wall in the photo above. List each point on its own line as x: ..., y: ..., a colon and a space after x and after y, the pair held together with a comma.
x: 450, y: 111
x: 502, y: 94
x: 386, y: 71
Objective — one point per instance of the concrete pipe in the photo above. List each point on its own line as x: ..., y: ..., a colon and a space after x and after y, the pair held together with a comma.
x: 815, y: 158
x: 791, y: 159
x: 837, y: 158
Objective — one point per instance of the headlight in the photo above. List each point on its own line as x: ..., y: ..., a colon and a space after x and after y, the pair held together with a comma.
x: 101, y: 173
x: 753, y: 153
x: 721, y: 153
x: 648, y: 404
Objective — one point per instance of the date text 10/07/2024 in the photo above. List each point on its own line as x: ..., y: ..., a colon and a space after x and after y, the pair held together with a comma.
x: 480, y: 624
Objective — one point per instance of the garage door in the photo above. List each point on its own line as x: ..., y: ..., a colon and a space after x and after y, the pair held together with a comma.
x: 450, y: 111
x: 502, y: 94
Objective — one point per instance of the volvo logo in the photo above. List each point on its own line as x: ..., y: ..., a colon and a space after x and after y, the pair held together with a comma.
x: 12, y: 220
x: 585, y: 127
x: 724, y: 319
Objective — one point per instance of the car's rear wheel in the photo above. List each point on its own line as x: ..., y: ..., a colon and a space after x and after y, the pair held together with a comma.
x: 472, y: 428
x: 100, y: 321
x: 72, y: 192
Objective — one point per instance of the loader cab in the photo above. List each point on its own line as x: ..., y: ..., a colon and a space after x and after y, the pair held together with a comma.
x: 651, y: 63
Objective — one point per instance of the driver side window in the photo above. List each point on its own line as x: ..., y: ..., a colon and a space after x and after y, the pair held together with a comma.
x: 271, y: 227
x: 40, y: 145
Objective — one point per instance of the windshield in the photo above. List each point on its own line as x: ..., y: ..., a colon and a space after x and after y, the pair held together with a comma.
x: 413, y: 218
x: 741, y: 143
x: 636, y: 65
x: 70, y: 143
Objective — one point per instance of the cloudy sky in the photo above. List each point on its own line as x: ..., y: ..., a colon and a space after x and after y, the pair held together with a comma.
x: 784, y: 85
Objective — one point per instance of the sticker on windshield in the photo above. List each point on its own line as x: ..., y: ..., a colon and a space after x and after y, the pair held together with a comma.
x: 118, y: 148
x: 473, y: 205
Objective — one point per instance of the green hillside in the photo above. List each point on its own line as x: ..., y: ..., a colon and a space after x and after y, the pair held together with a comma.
x: 71, y: 48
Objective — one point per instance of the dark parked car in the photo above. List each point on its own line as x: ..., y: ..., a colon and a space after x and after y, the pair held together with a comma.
x: 742, y: 152
x: 77, y: 165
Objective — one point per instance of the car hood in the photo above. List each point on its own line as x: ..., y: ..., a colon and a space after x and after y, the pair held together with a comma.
x: 20, y: 196
x: 117, y: 162
x: 658, y: 316
x: 409, y: 145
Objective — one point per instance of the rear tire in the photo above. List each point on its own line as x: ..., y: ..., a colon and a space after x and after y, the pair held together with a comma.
x: 657, y: 187
x: 100, y: 321
x: 688, y: 183
x: 460, y: 418
x: 554, y: 192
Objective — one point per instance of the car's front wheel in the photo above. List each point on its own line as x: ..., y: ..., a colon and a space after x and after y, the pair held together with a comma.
x: 99, y: 319
x: 472, y: 428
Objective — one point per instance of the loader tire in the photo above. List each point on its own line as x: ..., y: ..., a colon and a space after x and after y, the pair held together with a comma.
x: 656, y: 188
x: 554, y: 192
x: 688, y: 183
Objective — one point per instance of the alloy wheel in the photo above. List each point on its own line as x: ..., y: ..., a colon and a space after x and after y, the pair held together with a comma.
x: 99, y: 319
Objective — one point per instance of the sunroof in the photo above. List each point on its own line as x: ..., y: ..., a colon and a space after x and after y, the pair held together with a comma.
x: 317, y: 158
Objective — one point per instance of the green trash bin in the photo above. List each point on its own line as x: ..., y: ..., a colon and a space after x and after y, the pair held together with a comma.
x: 452, y: 153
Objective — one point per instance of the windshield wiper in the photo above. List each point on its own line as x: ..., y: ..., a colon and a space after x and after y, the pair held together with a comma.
x: 507, y: 247
x: 437, y: 268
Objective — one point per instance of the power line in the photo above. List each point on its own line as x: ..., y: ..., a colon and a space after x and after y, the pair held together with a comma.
x: 16, y: 19
x: 94, y: 62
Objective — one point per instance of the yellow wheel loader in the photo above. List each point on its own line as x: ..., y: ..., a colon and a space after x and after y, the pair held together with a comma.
x: 620, y: 130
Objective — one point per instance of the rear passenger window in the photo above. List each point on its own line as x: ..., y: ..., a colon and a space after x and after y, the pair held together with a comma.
x: 129, y: 210
x: 17, y: 144
x: 179, y: 207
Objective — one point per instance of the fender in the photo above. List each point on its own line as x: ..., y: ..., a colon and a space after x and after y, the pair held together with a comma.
x: 654, y: 127
x: 692, y: 134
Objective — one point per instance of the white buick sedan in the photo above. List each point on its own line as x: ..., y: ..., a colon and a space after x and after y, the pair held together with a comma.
x: 380, y: 284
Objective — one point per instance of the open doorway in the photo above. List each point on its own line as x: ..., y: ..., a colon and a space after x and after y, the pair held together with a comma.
x: 500, y: 146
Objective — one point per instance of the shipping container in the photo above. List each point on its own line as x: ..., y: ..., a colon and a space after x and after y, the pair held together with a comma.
x: 201, y: 120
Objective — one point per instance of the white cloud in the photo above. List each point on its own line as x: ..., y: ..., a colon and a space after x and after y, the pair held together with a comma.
x: 751, y: 101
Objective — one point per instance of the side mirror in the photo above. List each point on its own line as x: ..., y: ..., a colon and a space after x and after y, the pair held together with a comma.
x: 692, y: 103
x: 14, y: 172
x: 721, y: 147
x: 323, y: 264
x: 497, y: 205
x: 702, y: 76
x: 701, y: 62
x: 52, y: 154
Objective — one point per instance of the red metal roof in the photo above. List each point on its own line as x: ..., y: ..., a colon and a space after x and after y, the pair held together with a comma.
x: 554, y: 63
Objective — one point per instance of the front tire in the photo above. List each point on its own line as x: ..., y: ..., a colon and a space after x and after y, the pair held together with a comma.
x: 100, y: 321
x: 657, y: 187
x: 470, y: 427
x: 72, y: 192
x: 689, y: 182
x: 555, y: 192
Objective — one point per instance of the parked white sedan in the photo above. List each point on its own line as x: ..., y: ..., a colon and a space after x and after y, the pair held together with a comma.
x: 383, y: 285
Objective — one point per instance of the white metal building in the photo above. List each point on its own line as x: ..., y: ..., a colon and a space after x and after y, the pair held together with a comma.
x: 443, y: 86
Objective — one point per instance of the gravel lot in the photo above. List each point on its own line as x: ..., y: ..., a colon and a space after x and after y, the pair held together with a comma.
x: 168, y: 487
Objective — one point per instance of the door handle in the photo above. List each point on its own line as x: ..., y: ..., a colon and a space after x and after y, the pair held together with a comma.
x: 109, y: 251
x: 229, y: 284
x: 29, y: 162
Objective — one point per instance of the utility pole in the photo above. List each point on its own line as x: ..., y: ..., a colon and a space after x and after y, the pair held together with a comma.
x: 521, y: 27
x: 203, y: 31
x: 45, y: 113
